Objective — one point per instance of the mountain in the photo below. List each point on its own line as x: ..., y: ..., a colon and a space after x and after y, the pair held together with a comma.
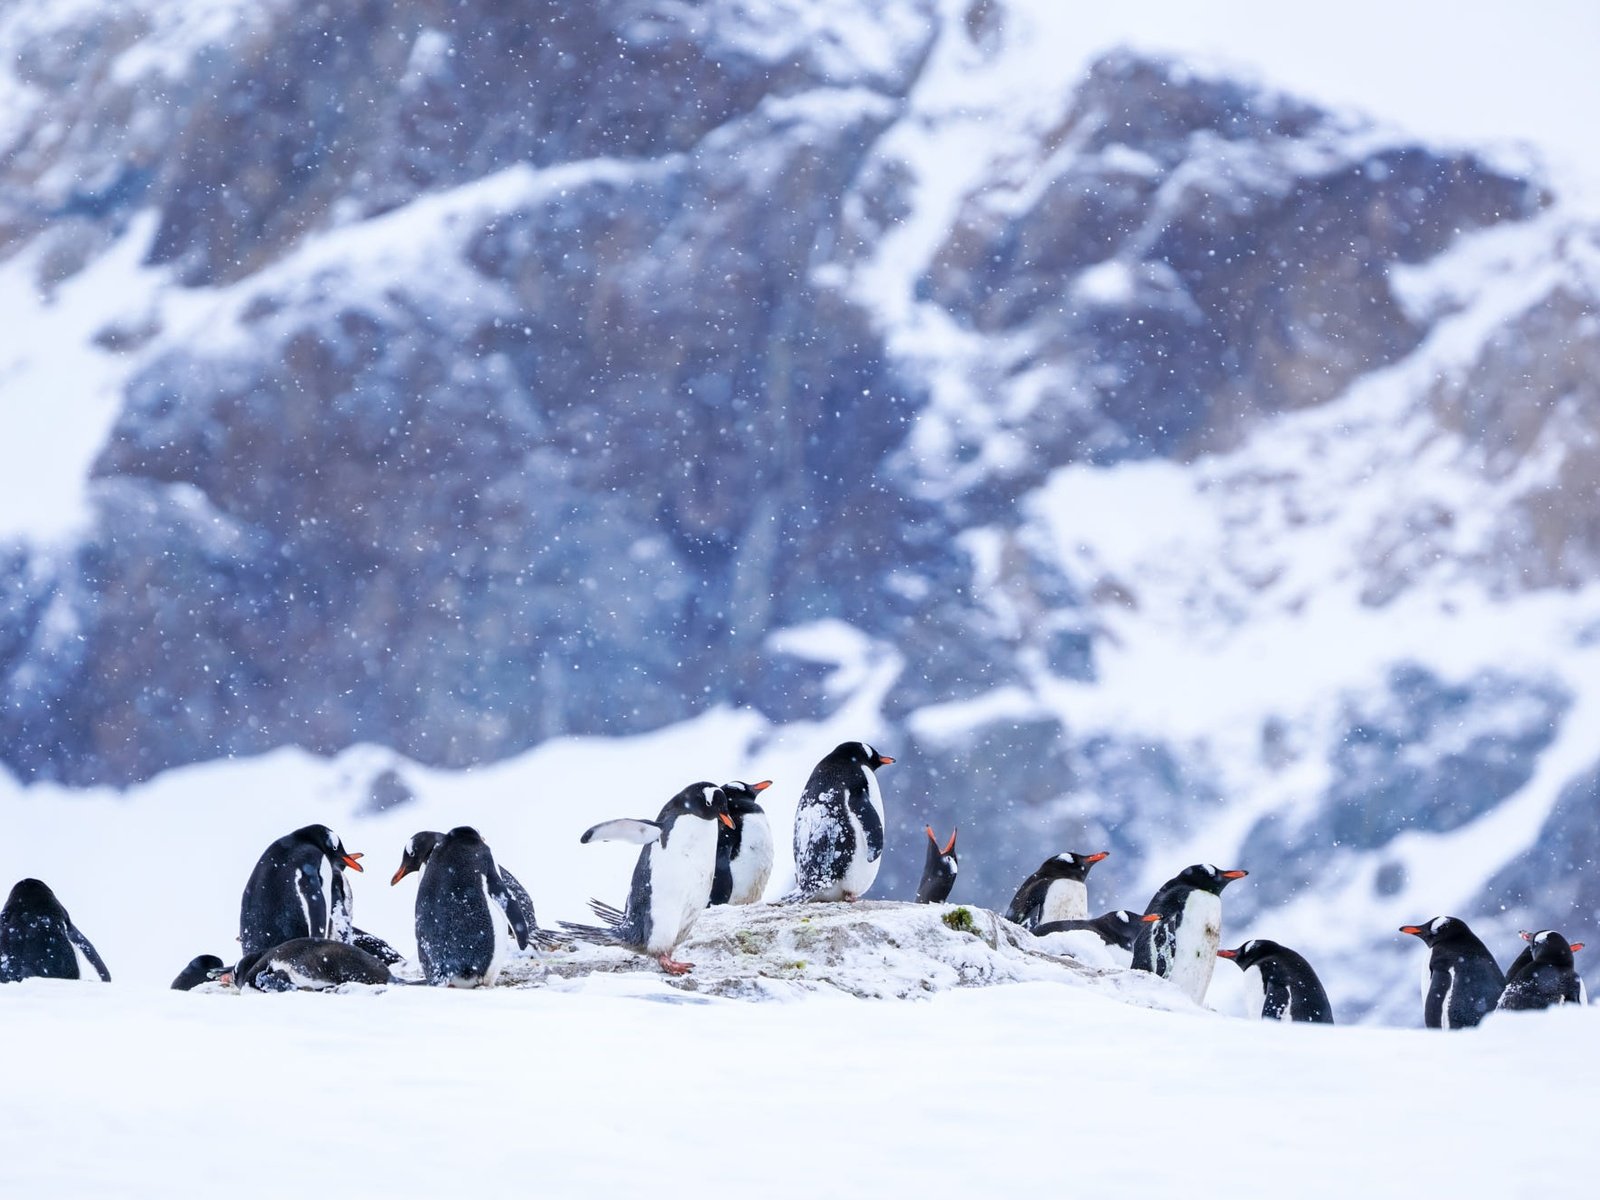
x: 1156, y: 461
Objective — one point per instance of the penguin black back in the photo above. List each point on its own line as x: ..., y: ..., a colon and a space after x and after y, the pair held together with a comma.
x: 39, y: 941
x: 297, y: 890
x: 1115, y: 928
x: 1463, y: 982
x: 309, y: 964
x: 203, y: 968
x: 1289, y: 988
x: 462, y: 910
x: 939, y: 870
x: 838, y: 825
x: 1544, y: 974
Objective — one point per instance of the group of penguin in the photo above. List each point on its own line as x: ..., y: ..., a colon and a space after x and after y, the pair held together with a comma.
x: 712, y: 844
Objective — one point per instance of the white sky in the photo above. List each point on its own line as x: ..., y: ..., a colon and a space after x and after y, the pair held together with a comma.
x: 1466, y: 70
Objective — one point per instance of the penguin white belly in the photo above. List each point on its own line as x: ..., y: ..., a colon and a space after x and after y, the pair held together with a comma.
x: 754, y: 864
x: 86, y: 969
x: 504, y: 946
x: 1255, y: 993
x: 1065, y: 900
x: 1194, y: 955
x: 861, y: 871
x: 680, y: 882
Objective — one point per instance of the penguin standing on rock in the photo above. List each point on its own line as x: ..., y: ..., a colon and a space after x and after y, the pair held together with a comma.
x: 419, y: 847
x: 1461, y: 981
x: 1057, y: 891
x: 838, y: 826
x: 938, y: 870
x: 672, y: 878
x: 39, y: 941
x: 1279, y: 984
x: 1182, y: 945
x: 297, y: 890
x: 466, y: 917
x: 744, y: 849
x: 1544, y: 975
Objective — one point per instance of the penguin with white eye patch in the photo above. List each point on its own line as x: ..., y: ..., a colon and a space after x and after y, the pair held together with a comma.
x: 297, y: 890
x: 1057, y: 891
x: 1182, y: 946
x: 744, y: 849
x: 671, y: 879
x: 838, y: 826
x: 939, y: 870
x: 1544, y: 974
x: 1279, y: 984
x: 1461, y: 982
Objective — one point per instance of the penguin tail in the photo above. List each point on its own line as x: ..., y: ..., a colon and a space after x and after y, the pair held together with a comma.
x: 608, y: 936
x: 548, y: 939
x: 609, y: 913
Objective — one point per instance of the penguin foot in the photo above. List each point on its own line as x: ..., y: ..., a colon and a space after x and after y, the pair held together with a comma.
x: 671, y: 965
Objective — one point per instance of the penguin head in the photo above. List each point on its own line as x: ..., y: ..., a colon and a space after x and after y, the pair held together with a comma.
x: 942, y: 859
x: 742, y: 795
x: 862, y: 753
x: 1208, y: 878
x: 1440, y: 929
x: 1251, y: 953
x: 703, y: 800
x: 203, y: 968
x: 328, y: 842
x: 418, y: 847
x: 1071, y: 865
x: 33, y: 895
x: 1548, y: 946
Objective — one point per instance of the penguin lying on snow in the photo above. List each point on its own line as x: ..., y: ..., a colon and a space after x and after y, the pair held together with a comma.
x: 1116, y: 928
x: 415, y: 855
x: 838, y: 826
x: 307, y: 964
x: 203, y: 968
x: 938, y: 870
x: 1057, y: 891
x: 672, y: 878
x: 1461, y: 982
x: 1280, y: 984
x: 466, y: 914
x: 1182, y: 946
x: 39, y: 941
x: 1544, y: 975
x: 744, y: 849
x: 297, y: 890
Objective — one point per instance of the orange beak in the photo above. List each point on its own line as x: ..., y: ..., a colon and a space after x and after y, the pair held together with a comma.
x: 1097, y: 857
x: 1227, y: 954
x: 1414, y: 930
x: 1234, y: 874
x: 399, y: 874
x: 762, y: 786
x: 1149, y: 917
x: 950, y: 849
x: 884, y: 760
x: 1575, y: 947
x: 350, y: 861
x: 725, y: 819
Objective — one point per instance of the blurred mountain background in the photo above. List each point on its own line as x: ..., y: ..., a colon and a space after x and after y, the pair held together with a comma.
x: 1148, y: 457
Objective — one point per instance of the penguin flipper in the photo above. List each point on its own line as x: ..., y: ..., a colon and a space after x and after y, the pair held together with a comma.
x: 511, y: 906
x: 625, y: 829
x: 89, y: 952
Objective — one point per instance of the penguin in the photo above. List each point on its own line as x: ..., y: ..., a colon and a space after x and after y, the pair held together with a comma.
x: 420, y: 845
x: 838, y: 826
x: 938, y: 870
x: 744, y: 851
x: 308, y: 965
x: 297, y: 890
x: 672, y: 878
x: 1280, y: 984
x: 1115, y: 928
x: 465, y: 911
x: 375, y: 946
x: 1057, y: 891
x: 203, y: 968
x: 1461, y: 981
x: 39, y: 941
x: 1182, y: 946
x: 1543, y: 975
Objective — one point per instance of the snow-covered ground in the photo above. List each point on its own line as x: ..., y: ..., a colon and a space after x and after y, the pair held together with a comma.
x: 127, y: 1090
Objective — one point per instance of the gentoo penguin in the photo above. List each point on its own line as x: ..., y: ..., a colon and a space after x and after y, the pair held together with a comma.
x: 203, y: 968
x: 672, y: 879
x: 1279, y: 984
x: 938, y: 870
x: 297, y: 890
x: 1057, y: 891
x: 307, y: 964
x: 375, y: 946
x: 1113, y: 928
x: 838, y: 826
x: 744, y: 851
x: 465, y: 911
x: 1543, y: 975
x: 1461, y: 981
x: 39, y: 941
x: 1182, y: 946
x: 421, y: 845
